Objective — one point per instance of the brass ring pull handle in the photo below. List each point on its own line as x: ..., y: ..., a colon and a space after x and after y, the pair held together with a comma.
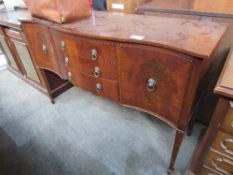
x: 224, y: 146
x: 98, y: 88
x: 69, y: 76
x: 44, y: 49
x: 94, y: 54
x: 62, y: 45
x: 97, y: 72
x: 215, y: 163
x: 151, y: 85
x: 66, y: 61
x: 231, y: 104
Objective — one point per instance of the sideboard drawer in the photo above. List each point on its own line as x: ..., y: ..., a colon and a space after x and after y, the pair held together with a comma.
x: 224, y: 143
x: 98, y: 87
x: 219, y: 163
x: 228, y: 122
x: 76, y: 53
x: 154, y: 80
x: 98, y: 50
x: 41, y: 46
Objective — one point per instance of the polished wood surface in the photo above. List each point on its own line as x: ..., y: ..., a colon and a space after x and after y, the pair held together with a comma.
x: 200, y: 7
x: 154, y: 31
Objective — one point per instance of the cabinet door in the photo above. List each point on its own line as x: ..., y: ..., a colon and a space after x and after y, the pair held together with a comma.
x: 8, y: 54
x: 26, y: 60
x: 40, y: 43
x: 154, y: 80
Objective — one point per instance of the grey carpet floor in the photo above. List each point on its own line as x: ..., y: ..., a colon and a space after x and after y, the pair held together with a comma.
x: 81, y: 135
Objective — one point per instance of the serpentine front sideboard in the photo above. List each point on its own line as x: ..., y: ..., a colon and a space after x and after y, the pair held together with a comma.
x: 152, y: 64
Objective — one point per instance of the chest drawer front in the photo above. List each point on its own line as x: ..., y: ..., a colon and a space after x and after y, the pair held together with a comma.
x: 228, y: 122
x: 206, y: 171
x: 41, y: 46
x: 224, y: 143
x: 154, y: 79
x: 219, y: 163
x: 98, y: 87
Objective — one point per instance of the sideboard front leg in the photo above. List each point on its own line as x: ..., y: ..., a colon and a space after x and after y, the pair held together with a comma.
x: 178, y: 140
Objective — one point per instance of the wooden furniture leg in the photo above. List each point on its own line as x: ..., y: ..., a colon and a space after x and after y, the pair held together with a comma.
x: 178, y: 140
x: 47, y: 86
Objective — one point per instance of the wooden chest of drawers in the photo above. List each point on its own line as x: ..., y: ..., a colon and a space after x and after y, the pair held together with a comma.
x: 214, y: 155
x: 108, y: 55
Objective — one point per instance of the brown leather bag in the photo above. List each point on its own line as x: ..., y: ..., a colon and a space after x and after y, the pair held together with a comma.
x: 60, y: 11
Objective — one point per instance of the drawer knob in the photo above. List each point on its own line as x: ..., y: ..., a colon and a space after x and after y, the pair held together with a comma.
x: 98, y: 88
x: 66, y: 61
x: 62, y: 45
x: 215, y: 163
x: 44, y: 49
x: 97, y: 72
x: 69, y: 76
x: 151, y: 85
x: 224, y: 145
x: 94, y: 54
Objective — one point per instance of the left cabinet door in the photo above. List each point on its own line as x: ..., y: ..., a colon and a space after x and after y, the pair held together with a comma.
x: 22, y: 51
x: 8, y: 54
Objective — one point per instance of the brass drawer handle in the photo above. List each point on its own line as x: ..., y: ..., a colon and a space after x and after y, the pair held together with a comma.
x: 98, y: 88
x: 215, y: 163
x: 231, y: 104
x: 224, y: 147
x: 69, y: 76
x: 62, y: 45
x: 151, y: 85
x: 44, y: 49
x: 97, y: 72
x: 66, y: 61
x: 94, y: 54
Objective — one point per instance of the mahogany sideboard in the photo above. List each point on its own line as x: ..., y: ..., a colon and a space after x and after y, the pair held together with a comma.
x: 214, y: 154
x: 153, y: 64
x: 201, y: 10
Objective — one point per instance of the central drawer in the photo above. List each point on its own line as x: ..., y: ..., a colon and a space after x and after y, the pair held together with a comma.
x: 154, y: 80
x: 93, y: 57
x: 97, y: 86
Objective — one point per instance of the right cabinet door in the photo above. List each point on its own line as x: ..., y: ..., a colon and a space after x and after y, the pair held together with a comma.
x: 154, y: 80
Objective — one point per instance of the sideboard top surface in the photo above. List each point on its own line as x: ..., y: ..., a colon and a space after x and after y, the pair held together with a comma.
x: 195, y: 38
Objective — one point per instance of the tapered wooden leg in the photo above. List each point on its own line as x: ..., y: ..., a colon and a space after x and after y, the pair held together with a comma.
x: 178, y: 140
